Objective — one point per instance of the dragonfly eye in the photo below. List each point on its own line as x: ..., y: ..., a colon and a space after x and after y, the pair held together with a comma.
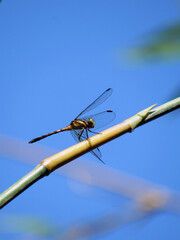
x: 91, y: 123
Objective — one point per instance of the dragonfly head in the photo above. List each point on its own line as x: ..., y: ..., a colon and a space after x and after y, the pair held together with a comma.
x: 91, y: 123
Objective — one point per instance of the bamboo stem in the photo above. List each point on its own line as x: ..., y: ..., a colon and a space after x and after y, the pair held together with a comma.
x: 162, y: 110
x: 50, y: 164
x: 38, y: 172
x: 81, y: 148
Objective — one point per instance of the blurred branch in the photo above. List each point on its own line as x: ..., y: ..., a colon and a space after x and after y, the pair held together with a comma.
x: 148, y: 204
x: 122, y: 216
x: 147, y: 199
x: 59, y: 159
x: 127, y: 214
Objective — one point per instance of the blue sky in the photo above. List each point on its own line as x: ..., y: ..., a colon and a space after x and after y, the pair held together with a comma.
x: 58, y: 56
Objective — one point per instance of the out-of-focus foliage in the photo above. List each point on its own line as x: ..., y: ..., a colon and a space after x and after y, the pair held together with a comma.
x: 25, y: 225
x: 161, y: 45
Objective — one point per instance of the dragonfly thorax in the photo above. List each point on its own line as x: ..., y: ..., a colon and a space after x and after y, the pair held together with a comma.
x: 82, y: 124
x: 91, y: 123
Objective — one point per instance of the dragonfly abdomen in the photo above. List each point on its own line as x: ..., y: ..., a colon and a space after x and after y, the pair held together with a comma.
x: 51, y: 133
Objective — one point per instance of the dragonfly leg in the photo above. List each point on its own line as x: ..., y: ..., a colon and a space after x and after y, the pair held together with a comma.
x: 94, y: 132
x: 90, y: 144
x: 88, y: 136
x: 80, y: 134
x: 87, y: 133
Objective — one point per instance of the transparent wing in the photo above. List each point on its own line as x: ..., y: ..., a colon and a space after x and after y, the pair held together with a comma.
x: 75, y: 133
x: 101, y: 119
x: 97, y: 102
x: 96, y: 152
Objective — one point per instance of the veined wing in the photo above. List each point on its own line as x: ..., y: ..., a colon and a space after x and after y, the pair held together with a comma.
x: 105, y: 95
x: 76, y: 133
x: 101, y: 119
x: 96, y: 152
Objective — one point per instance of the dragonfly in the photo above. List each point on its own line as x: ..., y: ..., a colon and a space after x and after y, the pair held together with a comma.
x: 82, y: 125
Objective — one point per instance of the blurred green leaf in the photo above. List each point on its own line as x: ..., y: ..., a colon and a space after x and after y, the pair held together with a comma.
x: 161, y: 45
x: 17, y: 224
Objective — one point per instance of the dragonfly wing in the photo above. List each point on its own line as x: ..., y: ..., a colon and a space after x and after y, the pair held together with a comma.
x: 96, y: 152
x: 101, y: 119
x: 76, y: 133
x: 105, y: 95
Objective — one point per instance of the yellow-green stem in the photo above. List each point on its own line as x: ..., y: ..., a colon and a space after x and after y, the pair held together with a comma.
x: 59, y: 159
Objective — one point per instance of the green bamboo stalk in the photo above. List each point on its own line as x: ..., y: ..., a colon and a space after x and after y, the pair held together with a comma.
x: 69, y: 154
x: 38, y: 172
x: 161, y: 110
